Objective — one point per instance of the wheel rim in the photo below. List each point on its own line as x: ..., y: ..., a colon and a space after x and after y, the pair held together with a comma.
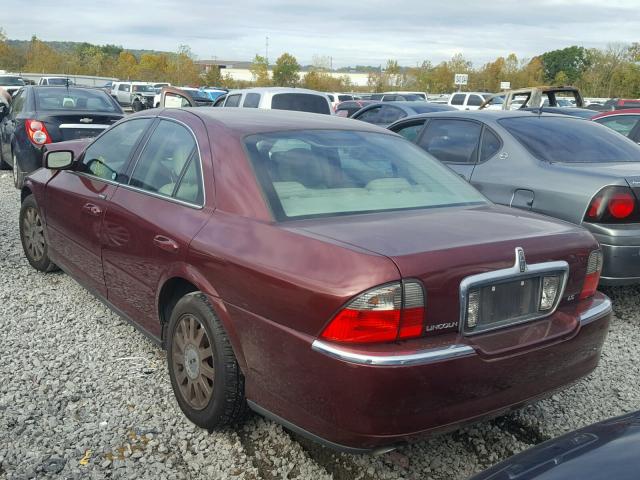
x: 192, y: 357
x: 33, y: 234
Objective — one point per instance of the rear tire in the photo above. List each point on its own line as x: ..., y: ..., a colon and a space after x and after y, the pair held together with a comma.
x: 4, y: 165
x: 18, y: 175
x: 34, y: 242
x: 204, y: 372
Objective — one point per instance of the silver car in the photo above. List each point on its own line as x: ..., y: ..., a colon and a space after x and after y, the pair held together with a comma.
x: 562, y: 166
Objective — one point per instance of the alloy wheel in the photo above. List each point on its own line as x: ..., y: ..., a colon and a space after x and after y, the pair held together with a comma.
x: 193, y: 362
x: 33, y: 233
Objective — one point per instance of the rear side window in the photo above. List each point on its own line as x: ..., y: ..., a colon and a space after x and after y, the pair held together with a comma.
x: 107, y: 157
x: 411, y: 132
x: 458, y: 99
x: 165, y: 160
x: 490, y: 145
x: 18, y: 102
x: 475, y: 100
x: 251, y: 100
x: 570, y: 140
x: 371, y: 116
x: 390, y: 114
x: 623, y: 124
x: 454, y: 141
x: 233, y: 101
x: 301, y: 102
x: 331, y: 97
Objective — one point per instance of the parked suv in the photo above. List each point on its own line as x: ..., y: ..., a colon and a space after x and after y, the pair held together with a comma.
x: 278, y: 98
x: 137, y: 95
x: 11, y: 83
x: 468, y: 100
x: 57, y: 81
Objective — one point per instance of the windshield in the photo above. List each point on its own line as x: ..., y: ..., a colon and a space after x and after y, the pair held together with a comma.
x: 144, y: 88
x: 320, y: 173
x: 75, y: 99
x: 11, y: 81
x: 59, y: 81
x: 570, y: 140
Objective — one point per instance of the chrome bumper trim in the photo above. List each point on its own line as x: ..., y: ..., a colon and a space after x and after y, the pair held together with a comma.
x: 92, y: 126
x: 385, y: 360
x: 594, y: 313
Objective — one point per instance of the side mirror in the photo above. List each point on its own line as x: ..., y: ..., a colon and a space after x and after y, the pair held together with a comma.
x: 61, y: 160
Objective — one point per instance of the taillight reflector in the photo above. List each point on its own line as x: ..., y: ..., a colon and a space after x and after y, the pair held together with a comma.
x: 592, y: 278
x: 37, y: 132
x: 613, y: 205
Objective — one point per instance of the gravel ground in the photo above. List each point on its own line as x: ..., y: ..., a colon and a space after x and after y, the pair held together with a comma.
x: 84, y: 395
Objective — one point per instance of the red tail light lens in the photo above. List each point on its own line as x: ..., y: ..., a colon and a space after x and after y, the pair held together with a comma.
x: 37, y: 132
x: 592, y: 278
x: 383, y: 314
x: 613, y: 205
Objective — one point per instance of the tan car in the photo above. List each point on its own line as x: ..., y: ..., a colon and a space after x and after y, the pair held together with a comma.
x: 534, y: 97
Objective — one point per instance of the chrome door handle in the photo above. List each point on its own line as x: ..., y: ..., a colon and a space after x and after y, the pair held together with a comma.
x: 165, y: 243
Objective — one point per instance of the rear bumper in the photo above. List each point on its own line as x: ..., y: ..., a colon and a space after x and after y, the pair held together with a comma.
x: 621, y: 265
x: 355, y: 400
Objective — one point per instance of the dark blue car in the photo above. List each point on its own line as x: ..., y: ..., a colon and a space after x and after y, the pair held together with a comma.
x: 39, y: 115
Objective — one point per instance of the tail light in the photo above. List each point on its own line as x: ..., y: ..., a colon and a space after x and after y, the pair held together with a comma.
x: 37, y: 132
x: 594, y: 267
x: 613, y: 205
x: 383, y: 314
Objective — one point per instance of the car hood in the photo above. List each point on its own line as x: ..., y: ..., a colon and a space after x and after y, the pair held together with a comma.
x: 610, y: 449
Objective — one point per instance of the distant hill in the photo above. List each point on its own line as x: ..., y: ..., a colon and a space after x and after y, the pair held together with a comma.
x: 68, y: 47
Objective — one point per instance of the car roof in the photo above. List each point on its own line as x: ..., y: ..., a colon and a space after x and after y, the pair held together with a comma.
x: 485, y: 115
x: 276, y: 90
x: 625, y: 111
x: 247, y: 121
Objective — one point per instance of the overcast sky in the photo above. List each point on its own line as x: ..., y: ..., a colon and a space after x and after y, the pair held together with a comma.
x: 352, y: 32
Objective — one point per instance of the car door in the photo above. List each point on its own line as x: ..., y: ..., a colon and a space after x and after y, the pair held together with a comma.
x: 9, y: 124
x: 124, y: 94
x: 454, y: 142
x: 151, y: 221
x: 77, y: 199
x: 473, y: 101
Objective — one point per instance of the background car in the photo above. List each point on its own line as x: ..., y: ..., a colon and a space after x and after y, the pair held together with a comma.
x: 11, y: 83
x: 383, y: 114
x: 420, y: 296
x: 214, y: 93
x: 198, y: 97
x: 534, y: 97
x: 137, y: 95
x: 616, y: 104
x: 56, y: 81
x: 603, y: 451
x: 626, y: 122
x: 558, y: 165
x: 335, y: 98
x: 348, y: 108
x: 422, y: 95
x: 279, y: 98
x: 42, y: 115
x: 394, y: 97
x: 468, y: 100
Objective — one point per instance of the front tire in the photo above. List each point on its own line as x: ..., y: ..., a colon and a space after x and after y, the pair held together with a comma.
x: 34, y: 242
x: 136, y: 106
x: 204, y: 372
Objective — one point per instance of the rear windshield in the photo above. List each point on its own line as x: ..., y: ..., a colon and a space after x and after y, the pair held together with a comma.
x: 11, y: 81
x: 301, y: 102
x: 321, y: 173
x: 570, y: 140
x: 55, y: 98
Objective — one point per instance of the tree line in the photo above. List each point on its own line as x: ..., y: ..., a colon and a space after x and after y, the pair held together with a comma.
x: 610, y: 72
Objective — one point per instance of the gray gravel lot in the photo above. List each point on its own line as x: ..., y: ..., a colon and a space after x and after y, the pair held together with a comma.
x: 84, y: 395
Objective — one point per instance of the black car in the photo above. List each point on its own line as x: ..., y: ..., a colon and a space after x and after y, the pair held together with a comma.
x: 604, y: 451
x: 385, y: 113
x: 39, y: 115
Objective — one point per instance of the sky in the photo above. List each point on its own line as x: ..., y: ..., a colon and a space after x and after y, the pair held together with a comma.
x: 351, y: 32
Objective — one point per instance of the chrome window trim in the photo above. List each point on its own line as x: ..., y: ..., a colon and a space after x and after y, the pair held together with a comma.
x: 153, y: 194
x: 84, y: 125
x: 511, y: 273
x: 421, y: 357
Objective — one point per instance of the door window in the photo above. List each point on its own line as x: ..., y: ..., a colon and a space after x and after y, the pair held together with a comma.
x: 107, y: 157
x: 390, y: 114
x: 370, y: 116
x: 458, y: 99
x: 251, y: 100
x: 411, y: 132
x: 491, y: 144
x: 454, y: 141
x: 169, y: 164
x: 475, y: 100
x: 623, y: 124
x: 233, y: 101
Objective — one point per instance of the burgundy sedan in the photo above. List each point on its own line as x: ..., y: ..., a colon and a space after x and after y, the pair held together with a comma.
x: 321, y: 271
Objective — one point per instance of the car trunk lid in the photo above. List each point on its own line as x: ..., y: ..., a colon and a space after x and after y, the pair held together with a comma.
x: 64, y: 126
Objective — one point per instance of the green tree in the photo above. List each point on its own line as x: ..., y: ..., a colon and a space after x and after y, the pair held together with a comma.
x: 285, y: 72
x: 260, y: 71
x: 213, y: 77
x: 573, y: 61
